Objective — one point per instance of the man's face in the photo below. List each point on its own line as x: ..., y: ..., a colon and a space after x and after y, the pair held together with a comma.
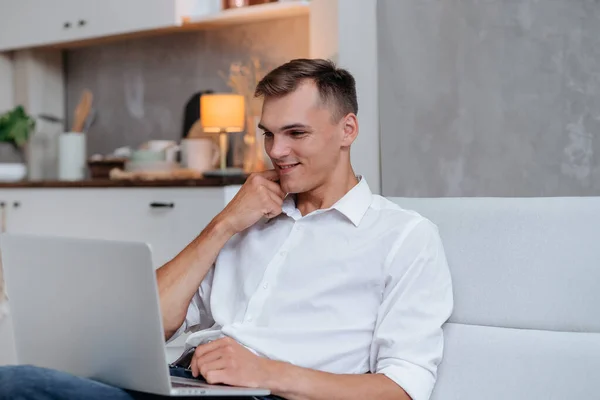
x: 301, y: 138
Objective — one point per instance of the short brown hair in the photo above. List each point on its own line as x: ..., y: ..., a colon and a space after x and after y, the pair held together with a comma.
x: 336, y: 85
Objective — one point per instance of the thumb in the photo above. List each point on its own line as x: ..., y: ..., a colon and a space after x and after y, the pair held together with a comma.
x: 270, y: 174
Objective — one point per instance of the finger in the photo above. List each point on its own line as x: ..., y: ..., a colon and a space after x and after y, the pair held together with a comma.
x: 276, y: 199
x: 273, y: 207
x: 207, y: 358
x: 275, y: 188
x: 212, y: 366
x: 270, y: 174
x: 211, y: 346
x: 226, y: 377
x: 219, y: 376
x: 197, y: 362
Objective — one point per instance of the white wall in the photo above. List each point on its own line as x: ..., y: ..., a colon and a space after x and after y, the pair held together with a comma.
x: 346, y: 32
x: 6, y: 82
x: 39, y: 87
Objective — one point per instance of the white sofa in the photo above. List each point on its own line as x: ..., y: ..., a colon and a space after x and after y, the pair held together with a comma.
x: 526, y: 277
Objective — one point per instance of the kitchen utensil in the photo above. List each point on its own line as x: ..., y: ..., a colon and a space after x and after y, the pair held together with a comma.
x: 199, y: 154
x: 71, y: 156
x: 82, y: 110
x: 12, y: 172
x: 89, y: 121
x: 143, y: 155
x: 229, y: 172
x: 168, y: 147
x: 151, y: 166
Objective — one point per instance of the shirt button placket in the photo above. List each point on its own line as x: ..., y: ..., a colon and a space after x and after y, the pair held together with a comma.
x: 257, y: 300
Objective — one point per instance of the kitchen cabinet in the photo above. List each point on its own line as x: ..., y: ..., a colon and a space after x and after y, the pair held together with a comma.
x: 65, y: 23
x: 165, y: 218
x: 31, y: 23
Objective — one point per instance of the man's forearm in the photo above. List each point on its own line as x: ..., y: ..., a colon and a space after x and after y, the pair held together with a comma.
x: 296, y: 383
x: 179, y: 279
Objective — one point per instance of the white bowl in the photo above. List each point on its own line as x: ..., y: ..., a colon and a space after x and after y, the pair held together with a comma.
x: 151, y: 166
x: 12, y: 172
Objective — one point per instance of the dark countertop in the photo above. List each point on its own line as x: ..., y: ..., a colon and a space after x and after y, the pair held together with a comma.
x: 107, y: 183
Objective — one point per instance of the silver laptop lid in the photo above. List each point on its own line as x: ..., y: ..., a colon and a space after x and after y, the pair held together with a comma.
x: 86, y: 307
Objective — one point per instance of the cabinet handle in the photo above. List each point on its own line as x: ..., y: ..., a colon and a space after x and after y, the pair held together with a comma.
x: 82, y: 22
x: 16, y: 204
x: 162, y: 205
x: 67, y: 25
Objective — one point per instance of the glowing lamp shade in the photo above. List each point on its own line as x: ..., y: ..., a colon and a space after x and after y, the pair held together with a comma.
x: 222, y: 112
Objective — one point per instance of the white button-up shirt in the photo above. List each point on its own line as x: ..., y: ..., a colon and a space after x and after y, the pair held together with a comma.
x: 360, y: 287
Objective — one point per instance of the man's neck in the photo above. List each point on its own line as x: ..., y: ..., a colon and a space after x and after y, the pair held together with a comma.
x: 326, y: 195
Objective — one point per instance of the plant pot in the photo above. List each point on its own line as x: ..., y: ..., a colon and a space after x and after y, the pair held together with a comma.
x: 11, y: 154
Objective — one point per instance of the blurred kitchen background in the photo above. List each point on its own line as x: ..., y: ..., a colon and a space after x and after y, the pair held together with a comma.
x: 111, y: 112
x: 457, y: 98
x: 142, y: 78
x: 141, y: 86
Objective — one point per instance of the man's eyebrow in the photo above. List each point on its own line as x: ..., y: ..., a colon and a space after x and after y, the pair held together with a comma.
x: 286, y: 127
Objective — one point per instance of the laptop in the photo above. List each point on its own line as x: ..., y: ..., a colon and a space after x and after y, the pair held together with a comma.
x: 90, y: 308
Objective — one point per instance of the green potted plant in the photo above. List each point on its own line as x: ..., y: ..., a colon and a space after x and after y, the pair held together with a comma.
x: 16, y: 126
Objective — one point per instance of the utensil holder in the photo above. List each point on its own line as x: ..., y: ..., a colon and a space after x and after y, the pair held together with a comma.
x: 71, y: 156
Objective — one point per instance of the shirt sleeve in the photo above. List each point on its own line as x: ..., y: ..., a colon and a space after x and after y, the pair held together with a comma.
x: 417, y: 300
x: 198, y: 314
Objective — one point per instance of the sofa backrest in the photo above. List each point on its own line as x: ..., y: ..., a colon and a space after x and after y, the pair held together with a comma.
x: 526, y: 278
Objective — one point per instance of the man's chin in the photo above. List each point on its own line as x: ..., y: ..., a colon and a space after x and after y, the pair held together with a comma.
x: 288, y: 186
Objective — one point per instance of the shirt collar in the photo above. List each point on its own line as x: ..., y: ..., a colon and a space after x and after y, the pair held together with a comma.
x: 353, y: 205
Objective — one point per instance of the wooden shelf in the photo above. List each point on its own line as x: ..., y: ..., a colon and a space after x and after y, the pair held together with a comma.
x: 229, y: 17
x: 108, y: 183
x: 256, y: 13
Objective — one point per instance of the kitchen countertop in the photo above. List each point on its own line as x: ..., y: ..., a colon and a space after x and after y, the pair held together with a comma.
x: 108, y: 183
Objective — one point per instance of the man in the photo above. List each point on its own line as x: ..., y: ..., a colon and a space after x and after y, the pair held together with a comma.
x: 307, y: 283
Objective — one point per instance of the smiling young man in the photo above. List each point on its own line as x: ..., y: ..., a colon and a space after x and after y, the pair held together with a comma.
x: 311, y: 285
x: 306, y: 283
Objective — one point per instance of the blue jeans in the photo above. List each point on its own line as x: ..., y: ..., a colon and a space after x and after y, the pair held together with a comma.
x: 25, y: 382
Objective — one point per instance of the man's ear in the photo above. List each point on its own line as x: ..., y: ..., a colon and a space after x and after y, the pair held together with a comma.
x: 350, y: 129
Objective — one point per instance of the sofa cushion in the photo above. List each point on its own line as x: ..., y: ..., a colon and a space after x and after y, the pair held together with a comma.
x: 502, y: 363
x: 521, y: 262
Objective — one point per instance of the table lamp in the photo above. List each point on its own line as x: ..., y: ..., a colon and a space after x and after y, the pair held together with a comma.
x: 222, y: 113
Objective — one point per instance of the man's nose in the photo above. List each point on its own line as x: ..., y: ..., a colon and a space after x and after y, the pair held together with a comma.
x: 279, y: 148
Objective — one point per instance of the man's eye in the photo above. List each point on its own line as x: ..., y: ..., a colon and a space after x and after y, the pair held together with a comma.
x: 267, y: 134
x: 297, y: 133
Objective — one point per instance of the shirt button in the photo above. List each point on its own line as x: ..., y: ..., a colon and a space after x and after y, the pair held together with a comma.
x: 249, y: 318
x: 282, y: 253
x: 266, y: 285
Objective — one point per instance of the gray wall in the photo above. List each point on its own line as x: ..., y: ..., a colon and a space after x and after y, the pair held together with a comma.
x: 489, y: 97
x: 140, y: 86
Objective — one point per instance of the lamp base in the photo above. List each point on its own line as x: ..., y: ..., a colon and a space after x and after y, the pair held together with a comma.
x: 223, y: 172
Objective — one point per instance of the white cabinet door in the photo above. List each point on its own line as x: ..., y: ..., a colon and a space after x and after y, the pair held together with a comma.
x: 167, y: 219
x: 27, y: 23
x: 112, y: 17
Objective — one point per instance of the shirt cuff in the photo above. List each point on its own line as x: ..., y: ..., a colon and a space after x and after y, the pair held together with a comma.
x: 416, y: 381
